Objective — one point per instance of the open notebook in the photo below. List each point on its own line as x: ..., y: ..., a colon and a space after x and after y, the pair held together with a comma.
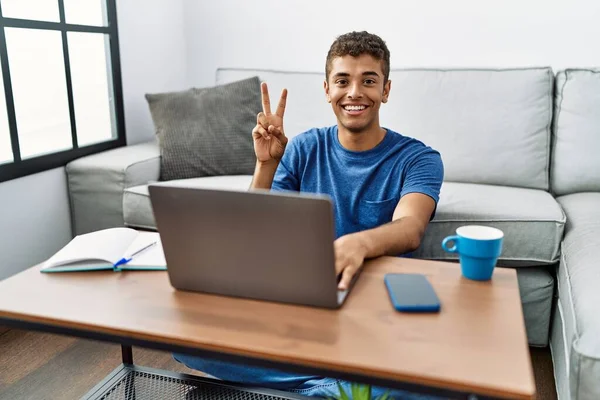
x: 109, y: 249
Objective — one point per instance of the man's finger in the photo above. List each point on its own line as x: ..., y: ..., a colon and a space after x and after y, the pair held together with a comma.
x: 260, y: 131
x: 273, y: 130
x: 278, y: 134
x: 266, y: 103
x: 346, y: 278
x: 261, y: 119
x: 281, y: 107
x: 339, y: 265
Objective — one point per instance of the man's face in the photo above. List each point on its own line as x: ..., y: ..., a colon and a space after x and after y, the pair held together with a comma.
x: 356, y: 90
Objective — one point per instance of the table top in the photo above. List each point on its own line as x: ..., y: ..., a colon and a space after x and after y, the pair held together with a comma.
x: 477, y: 343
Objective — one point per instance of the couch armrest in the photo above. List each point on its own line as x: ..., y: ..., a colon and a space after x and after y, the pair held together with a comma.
x: 96, y: 184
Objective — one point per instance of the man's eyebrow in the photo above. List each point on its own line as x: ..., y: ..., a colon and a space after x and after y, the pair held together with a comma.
x: 370, y: 73
x: 345, y: 74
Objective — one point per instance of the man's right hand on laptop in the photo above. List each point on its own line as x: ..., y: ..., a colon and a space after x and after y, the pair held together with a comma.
x: 269, y: 137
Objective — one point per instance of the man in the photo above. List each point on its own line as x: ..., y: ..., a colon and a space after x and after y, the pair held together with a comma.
x: 384, y: 186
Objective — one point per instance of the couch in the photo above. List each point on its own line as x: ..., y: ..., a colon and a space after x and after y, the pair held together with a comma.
x: 521, y: 149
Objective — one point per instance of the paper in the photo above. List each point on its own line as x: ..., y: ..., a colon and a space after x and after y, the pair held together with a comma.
x: 101, y: 247
x: 151, y: 257
x: 101, y: 250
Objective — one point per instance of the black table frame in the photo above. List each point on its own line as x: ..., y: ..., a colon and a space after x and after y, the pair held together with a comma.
x: 116, y: 377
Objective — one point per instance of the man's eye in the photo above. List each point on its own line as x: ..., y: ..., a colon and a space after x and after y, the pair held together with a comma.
x: 341, y: 82
x: 369, y: 81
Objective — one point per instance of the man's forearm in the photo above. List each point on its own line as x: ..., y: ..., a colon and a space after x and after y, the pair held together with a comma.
x: 397, y: 237
x: 264, y: 174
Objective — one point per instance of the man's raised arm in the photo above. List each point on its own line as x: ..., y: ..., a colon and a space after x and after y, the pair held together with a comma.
x: 269, y: 140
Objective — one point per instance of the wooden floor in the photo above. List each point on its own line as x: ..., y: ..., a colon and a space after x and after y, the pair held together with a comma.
x: 40, y: 366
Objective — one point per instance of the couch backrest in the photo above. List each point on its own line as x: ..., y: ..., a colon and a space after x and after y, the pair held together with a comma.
x: 576, y: 132
x: 491, y: 126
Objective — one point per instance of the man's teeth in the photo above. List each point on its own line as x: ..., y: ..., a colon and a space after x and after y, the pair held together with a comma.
x: 354, y: 108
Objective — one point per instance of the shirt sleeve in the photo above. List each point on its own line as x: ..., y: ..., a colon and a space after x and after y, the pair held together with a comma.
x: 286, y: 175
x: 425, y: 175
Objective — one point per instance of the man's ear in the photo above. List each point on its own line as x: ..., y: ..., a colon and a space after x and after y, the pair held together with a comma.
x: 326, y: 87
x: 386, y: 91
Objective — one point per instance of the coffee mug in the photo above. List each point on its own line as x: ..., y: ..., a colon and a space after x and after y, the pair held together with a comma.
x: 478, y: 248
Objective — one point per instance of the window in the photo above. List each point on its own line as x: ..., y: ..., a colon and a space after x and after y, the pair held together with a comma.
x: 60, y: 78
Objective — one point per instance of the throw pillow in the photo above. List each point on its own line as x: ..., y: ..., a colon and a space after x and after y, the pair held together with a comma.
x: 206, y: 131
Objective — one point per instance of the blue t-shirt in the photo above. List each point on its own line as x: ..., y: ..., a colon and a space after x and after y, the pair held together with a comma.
x: 365, y: 186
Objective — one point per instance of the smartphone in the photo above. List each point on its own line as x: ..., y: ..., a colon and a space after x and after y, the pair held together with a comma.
x: 411, y: 293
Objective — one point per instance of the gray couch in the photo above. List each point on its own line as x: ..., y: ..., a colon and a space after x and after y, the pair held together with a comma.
x: 521, y: 149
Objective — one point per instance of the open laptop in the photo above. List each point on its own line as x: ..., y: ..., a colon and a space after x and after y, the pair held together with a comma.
x: 255, y: 244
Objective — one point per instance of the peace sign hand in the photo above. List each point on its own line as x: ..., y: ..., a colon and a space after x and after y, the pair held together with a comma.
x: 268, y: 135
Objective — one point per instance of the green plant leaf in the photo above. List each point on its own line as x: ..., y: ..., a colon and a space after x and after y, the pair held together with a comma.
x: 356, y: 391
x: 343, y: 395
x: 359, y: 392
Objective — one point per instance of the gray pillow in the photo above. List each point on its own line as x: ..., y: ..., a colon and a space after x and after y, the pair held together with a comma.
x: 206, y: 131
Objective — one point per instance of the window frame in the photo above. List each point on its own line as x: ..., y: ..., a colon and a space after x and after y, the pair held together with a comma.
x: 18, y: 167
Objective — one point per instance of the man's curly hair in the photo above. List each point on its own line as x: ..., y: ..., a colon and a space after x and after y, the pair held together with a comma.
x: 356, y: 44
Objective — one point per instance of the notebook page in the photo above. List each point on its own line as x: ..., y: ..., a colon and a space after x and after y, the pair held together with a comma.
x: 107, y: 245
x: 151, y: 257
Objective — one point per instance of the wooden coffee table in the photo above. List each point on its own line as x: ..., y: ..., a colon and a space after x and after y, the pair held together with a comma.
x: 476, y: 345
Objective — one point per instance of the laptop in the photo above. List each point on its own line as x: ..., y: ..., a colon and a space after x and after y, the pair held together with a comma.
x: 274, y: 246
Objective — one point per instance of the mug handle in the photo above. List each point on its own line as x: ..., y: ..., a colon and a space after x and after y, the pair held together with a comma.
x: 452, y: 249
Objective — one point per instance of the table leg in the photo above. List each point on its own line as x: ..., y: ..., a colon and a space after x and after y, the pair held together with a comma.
x: 127, y: 354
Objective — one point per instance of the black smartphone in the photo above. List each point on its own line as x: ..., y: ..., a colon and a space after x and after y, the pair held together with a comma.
x: 411, y: 293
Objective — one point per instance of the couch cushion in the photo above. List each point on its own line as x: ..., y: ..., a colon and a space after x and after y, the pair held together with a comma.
x: 532, y: 221
x: 575, y: 153
x: 207, y: 131
x: 491, y: 126
x: 536, y: 287
x: 579, y: 297
x: 137, y: 209
x: 559, y: 352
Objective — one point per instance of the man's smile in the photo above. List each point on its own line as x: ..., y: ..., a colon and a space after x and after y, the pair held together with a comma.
x: 354, y: 109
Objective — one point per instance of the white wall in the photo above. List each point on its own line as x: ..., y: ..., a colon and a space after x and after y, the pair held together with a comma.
x: 296, y: 34
x: 153, y: 59
x: 34, y: 211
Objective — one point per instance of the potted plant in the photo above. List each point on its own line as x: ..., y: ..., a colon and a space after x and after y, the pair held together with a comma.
x: 358, y: 392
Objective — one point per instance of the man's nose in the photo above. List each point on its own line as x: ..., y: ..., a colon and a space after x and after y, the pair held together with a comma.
x: 354, y: 91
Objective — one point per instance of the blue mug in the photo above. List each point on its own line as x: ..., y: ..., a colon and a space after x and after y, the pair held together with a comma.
x: 478, y: 248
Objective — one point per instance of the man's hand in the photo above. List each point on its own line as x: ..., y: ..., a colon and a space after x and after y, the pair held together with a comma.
x: 268, y: 135
x: 403, y: 234
x: 350, y: 254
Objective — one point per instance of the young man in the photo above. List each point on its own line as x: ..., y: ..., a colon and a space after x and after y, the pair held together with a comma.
x: 384, y: 186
